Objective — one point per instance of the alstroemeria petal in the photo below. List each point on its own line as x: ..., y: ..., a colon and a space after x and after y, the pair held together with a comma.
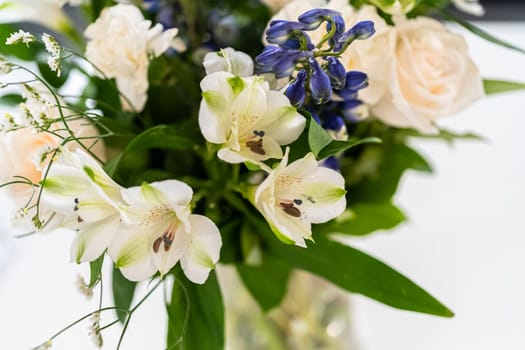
x: 93, y: 239
x: 165, y: 258
x: 325, y: 197
x: 203, y: 251
x: 286, y: 226
x: 214, y: 112
x: 131, y: 252
x: 251, y: 104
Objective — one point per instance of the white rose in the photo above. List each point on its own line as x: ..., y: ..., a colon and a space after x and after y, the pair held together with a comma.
x: 418, y: 71
x: 120, y: 42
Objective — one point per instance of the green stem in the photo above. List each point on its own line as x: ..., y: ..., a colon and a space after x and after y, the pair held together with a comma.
x: 131, y: 311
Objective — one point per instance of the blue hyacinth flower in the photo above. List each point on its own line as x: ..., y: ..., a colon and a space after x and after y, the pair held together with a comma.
x: 285, y: 66
x: 356, y: 80
x: 360, y: 31
x: 348, y: 109
x: 280, y: 31
x: 337, y: 72
x: 297, y: 42
x: 267, y: 59
x: 331, y: 163
x: 313, y: 18
x: 296, y: 91
x: 320, y: 85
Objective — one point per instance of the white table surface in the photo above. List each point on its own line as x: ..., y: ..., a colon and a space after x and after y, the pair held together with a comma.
x: 464, y: 243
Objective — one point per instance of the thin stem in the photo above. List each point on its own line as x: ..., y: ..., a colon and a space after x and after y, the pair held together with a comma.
x: 78, y: 321
x: 130, y: 313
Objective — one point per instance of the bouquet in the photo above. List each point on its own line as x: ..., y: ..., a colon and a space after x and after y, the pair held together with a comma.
x: 170, y: 136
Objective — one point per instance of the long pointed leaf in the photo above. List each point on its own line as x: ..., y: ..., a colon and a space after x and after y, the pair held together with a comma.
x: 360, y: 273
x: 196, y: 315
x: 481, y: 33
x: 499, y: 86
x: 123, y: 291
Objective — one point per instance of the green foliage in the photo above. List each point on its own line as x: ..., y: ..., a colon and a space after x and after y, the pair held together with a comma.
x: 364, y: 218
x: 375, y: 175
x: 336, y: 146
x: 123, y: 291
x: 161, y: 136
x: 11, y: 100
x: 266, y: 282
x: 498, y: 86
x: 51, y: 77
x: 445, y: 135
x: 359, y: 273
x: 318, y: 138
x: 19, y: 51
x: 95, y: 271
x: 481, y: 33
x: 195, y: 315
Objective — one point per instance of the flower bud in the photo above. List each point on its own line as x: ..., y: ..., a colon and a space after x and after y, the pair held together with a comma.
x: 296, y: 91
x: 360, y: 31
x: 267, y: 59
x: 313, y: 18
x: 337, y: 72
x: 356, y: 80
x: 285, y: 66
x: 280, y: 31
x: 320, y: 85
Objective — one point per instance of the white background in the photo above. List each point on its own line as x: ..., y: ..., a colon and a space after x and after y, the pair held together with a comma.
x: 464, y: 243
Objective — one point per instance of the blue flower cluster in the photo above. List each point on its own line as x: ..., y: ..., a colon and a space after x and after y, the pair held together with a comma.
x: 293, y: 51
x: 321, y: 85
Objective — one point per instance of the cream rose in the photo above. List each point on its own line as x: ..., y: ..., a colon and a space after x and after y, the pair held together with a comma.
x: 419, y: 72
x: 120, y: 43
x: 25, y: 152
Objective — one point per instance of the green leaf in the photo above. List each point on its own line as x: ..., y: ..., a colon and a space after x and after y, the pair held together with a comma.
x: 359, y: 273
x: 11, y: 100
x: 386, y: 5
x: 267, y: 282
x: 95, y: 270
x: 481, y: 33
x: 123, y: 291
x: 51, y: 77
x: 20, y: 51
x: 499, y: 86
x: 446, y: 135
x: 161, y: 136
x: 337, y: 146
x: 374, y: 177
x: 364, y: 218
x: 195, y: 315
x: 318, y: 138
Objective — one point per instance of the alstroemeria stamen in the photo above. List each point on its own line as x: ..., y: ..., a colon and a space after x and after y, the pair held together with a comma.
x: 256, y: 146
x: 290, y: 209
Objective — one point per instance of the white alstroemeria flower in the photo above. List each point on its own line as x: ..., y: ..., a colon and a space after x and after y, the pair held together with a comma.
x: 294, y: 196
x: 229, y: 60
x: 246, y: 118
x: 472, y: 7
x: 121, y: 43
x: 162, y: 232
x: 77, y: 188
